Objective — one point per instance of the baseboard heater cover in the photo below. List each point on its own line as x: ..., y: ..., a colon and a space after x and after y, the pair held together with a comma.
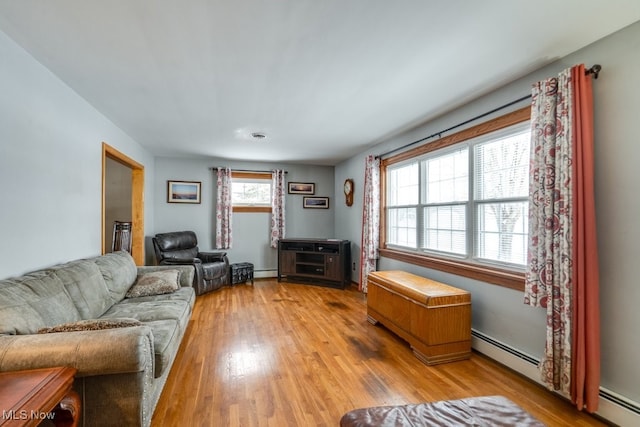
x: 613, y: 407
x: 505, y: 347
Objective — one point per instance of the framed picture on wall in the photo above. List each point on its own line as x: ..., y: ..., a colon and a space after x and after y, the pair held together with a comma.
x: 315, y: 202
x: 308, y: 188
x: 183, y: 191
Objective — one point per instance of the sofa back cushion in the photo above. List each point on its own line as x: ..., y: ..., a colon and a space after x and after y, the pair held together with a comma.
x: 87, y: 288
x: 119, y: 272
x: 34, y: 301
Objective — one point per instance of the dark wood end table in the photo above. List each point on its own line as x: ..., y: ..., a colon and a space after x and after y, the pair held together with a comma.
x: 29, y: 397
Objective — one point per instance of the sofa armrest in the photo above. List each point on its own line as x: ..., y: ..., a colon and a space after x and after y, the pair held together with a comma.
x: 186, y: 272
x: 99, y: 352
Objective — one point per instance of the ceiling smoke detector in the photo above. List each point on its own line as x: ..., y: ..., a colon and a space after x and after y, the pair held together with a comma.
x: 258, y: 135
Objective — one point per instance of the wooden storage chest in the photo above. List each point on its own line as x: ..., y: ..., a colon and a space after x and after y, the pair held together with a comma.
x: 433, y: 317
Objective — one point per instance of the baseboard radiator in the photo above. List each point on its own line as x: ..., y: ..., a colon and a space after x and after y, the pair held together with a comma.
x: 613, y: 407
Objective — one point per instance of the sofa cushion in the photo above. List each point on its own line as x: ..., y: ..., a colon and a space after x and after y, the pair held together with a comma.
x: 34, y: 301
x: 91, y: 325
x: 186, y: 272
x: 152, y: 310
x: 167, y: 336
x: 119, y: 272
x: 183, y: 294
x: 84, y: 282
x: 155, y: 283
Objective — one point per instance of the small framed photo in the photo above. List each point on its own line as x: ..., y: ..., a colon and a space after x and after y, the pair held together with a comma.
x: 308, y: 188
x: 183, y: 191
x: 315, y: 202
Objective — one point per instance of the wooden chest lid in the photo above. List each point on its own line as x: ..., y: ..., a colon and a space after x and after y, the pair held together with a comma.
x: 419, y: 289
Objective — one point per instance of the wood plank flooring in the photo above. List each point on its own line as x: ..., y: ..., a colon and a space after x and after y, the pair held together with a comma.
x: 285, y: 354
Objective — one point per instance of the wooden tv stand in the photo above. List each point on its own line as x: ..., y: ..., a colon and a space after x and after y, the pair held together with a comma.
x: 317, y: 261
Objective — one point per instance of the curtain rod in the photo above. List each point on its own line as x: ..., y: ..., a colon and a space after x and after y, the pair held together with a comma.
x: 595, y: 71
x: 244, y: 170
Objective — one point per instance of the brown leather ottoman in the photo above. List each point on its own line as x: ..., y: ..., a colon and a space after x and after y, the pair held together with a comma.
x: 474, y: 411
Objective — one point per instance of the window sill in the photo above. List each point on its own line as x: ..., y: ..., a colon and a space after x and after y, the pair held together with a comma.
x: 252, y: 209
x: 493, y: 275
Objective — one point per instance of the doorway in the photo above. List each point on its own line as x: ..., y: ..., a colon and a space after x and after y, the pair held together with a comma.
x: 122, y: 178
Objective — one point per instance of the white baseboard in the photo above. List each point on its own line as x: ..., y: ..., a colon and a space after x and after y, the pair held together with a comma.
x: 264, y: 274
x: 612, y: 407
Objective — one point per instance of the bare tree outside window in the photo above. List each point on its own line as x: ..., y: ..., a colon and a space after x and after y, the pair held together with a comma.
x: 502, y: 183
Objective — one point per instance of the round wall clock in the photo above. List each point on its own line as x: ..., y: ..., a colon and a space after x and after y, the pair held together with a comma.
x: 348, y: 191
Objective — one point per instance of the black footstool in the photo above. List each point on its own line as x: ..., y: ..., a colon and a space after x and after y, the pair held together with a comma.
x: 241, y: 272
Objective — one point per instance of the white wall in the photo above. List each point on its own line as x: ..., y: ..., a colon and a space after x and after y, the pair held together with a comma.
x: 498, y: 311
x: 51, y: 166
x: 250, y: 230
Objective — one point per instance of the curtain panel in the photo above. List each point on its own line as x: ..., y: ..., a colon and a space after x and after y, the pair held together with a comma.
x: 224, y: 209
x: 370, y: 220
x: 562, y: 272
x: 278, y: 192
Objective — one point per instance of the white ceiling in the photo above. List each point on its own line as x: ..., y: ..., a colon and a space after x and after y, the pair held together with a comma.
x: 323, y: 79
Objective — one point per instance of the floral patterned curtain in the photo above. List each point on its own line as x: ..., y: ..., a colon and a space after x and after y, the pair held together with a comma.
x: 370, y: 220
x: 277, y: 206
x: 224, y: 209
x: 561, y: 179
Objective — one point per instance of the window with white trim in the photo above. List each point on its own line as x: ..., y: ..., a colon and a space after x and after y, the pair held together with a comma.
x: 466, y: 201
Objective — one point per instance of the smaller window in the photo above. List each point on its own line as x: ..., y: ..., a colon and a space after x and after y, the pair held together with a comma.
x: 251, y: 192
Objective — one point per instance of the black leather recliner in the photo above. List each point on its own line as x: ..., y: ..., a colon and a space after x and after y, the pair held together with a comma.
x: 181, y: 247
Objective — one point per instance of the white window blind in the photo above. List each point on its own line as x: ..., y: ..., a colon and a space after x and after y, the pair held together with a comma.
x: 466, y: 201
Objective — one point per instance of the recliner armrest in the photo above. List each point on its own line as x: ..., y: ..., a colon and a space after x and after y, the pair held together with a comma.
x: 207, y: 257
x: 180, y: 261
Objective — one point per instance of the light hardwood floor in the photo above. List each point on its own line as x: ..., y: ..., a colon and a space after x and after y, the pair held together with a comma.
x: 285, y: 354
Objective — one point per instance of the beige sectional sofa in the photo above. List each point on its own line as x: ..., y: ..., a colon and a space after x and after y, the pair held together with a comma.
x: 54, y: 317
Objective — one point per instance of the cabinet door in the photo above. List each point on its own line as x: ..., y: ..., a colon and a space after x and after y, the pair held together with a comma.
x: 332, y: 269
x: 287, y: 262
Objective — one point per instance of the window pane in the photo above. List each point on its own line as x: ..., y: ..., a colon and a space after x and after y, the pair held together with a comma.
x: 447, y: 177
x: 403, y: 185
x: 251, y: 193
x: 502, y: 167
x: 502, y: 232
x: 445, y: 229
x: 402, y: 227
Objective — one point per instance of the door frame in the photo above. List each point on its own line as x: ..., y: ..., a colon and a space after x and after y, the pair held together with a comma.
x: 137, y: 200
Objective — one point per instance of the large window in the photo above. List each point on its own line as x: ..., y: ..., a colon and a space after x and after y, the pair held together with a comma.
x: 464, y: 201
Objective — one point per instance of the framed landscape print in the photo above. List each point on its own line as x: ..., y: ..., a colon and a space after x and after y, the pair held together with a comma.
x: 315, y: 202
x: 183, y: 191
x: 302, y: 188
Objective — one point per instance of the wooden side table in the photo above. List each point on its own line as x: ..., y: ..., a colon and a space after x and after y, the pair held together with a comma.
x: 29, y: 397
